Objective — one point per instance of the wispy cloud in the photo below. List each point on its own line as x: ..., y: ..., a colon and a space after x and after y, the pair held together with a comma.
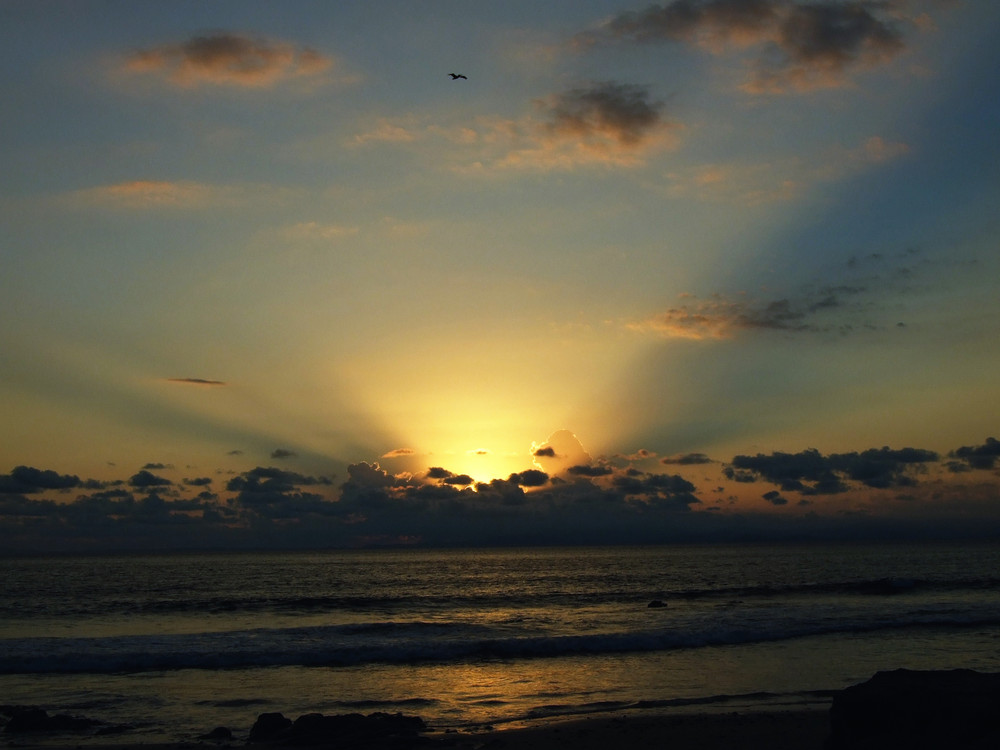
x: 399, y: 453
x: 228, y: 59
x: 791, y: 46
x: 777, y: 180
x: 175, y: 195
x: 606, y: 124
x: 196, y: 381
x: 719, y: 317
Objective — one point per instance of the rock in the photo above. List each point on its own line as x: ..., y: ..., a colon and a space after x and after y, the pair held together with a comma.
x: 917, y: 710
x: 341, y: 729
x: 32, y: 719
x: 313, y: 729
x: 219, y: 734
x: 268, y: 727
x: 656, y: 604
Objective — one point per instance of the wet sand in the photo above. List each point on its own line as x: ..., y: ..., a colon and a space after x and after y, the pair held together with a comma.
x: 780, y: 730
x: 803, y: 729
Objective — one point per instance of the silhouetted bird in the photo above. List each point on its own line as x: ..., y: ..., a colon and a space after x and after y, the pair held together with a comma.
x: 456, y: 76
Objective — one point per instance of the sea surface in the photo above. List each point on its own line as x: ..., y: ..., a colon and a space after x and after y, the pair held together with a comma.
x: 167, y: 647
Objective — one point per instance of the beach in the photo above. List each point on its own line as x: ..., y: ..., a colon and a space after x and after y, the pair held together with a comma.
x: 775, y: 730
x: 512, y: 648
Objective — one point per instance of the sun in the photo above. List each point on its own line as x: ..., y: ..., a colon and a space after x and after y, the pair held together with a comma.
x: 485, y: 465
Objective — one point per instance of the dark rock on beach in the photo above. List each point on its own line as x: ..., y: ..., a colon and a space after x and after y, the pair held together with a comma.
x: 219, y: 734
x: 656, y: 604
x: 33, y: 719
x: 268, y: 727
x: 342, y: 729
x: 918, y: 710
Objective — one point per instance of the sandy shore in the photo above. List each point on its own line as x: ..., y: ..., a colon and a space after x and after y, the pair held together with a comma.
x: 781, y: 730
x: 777, y: 730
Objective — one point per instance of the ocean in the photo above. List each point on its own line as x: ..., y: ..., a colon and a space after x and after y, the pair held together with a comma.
x: 167, y: 647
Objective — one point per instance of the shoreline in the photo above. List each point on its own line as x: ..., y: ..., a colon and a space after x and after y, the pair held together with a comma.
x: 789, y: 728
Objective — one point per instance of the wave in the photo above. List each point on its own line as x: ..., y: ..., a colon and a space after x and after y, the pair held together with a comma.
x: 237, y: 603
x: 416, y: 642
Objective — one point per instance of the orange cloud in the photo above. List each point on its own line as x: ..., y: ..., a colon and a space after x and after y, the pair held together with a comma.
x: 607, y: 124
x: 226, y: 59
x: 166, y: 194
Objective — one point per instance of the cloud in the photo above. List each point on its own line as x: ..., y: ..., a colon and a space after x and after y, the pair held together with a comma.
x: 269, y: 507
x: 856, y: 302
x: 786, y: 46
x: 686, y: 459
x: 183, y: 195
x: 561, y: 452
x: 27, y: 480
x: 315, y: 231
x: 529, y: 478
x: 399, y: 453
x: 145, y: 479
x: 777, y: 180
x: 228, y: 59
x: 983, y: 456
x: 607, y: 124
x: 774, y: 497
x: 280, y: 453
x: 196, y: 381
x: 809, y: 472
x: 722, y: 318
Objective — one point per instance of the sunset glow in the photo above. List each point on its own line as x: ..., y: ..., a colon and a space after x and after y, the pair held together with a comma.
x: 638, y: 272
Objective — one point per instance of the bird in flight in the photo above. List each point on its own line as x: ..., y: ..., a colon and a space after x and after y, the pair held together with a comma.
x: 456, y: 76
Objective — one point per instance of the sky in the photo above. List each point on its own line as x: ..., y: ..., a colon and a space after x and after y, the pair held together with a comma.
x: 695, y: 270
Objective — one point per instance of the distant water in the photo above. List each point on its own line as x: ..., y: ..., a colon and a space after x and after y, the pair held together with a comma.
x: 172, y: 646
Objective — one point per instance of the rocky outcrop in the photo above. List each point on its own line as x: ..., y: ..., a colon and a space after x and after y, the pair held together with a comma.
x: 341, y: 730
x: 918, y: 710
x: 219, y: 734
x: 32, y: 719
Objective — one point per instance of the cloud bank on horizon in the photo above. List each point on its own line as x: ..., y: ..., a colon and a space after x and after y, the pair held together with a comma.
x: 885, y: 493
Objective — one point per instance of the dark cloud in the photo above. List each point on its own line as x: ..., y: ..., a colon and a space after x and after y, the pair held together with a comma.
x: 157, y: 466
x: 795, y: 46
x: 810, y: 472
x: 277, y: 494
x: 280, y: 453
x: 196, y: 381
x: 686, y: 459
x: 621, y: 112
x: 261, y: 475
x: 529, y: 478
x: 979, y: 456
x: 144, y: 479
x: 590, y: 471
x: 26, y: 480
x: 548, y: 452
x: 599, y: 503
x: 774, y: 497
